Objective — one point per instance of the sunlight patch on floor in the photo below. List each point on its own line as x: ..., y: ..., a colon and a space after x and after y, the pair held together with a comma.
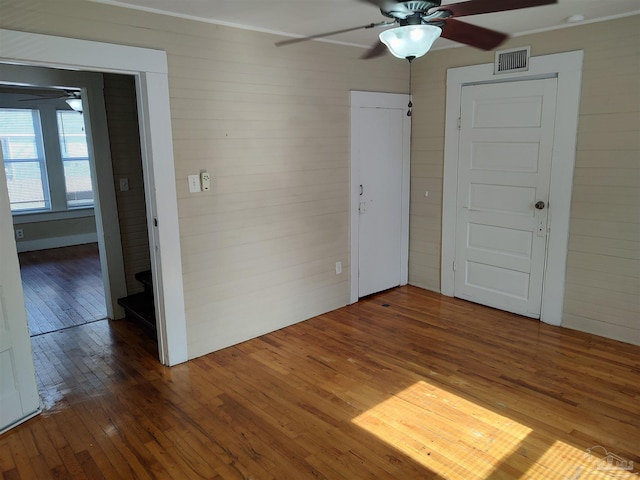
x: 449, y: 435
x: 457, y: 438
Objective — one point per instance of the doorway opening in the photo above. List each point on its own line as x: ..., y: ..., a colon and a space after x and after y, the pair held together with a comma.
x: 150, y: 71
x: 52, y: 199
x: 379, y: 190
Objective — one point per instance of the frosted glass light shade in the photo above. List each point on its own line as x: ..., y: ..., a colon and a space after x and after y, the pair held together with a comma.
x: 75, y: 103
x: 410, y: 40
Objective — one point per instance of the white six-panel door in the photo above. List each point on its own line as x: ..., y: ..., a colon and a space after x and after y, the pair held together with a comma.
x: 505, y: 151
x: 19, y: 398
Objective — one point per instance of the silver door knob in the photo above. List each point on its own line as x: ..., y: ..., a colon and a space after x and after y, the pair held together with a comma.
x: 540, y: 205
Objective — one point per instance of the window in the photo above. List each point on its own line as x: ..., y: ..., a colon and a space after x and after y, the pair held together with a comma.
x: 24, y: 161
x: 43, y: 175
x: 75, y: 159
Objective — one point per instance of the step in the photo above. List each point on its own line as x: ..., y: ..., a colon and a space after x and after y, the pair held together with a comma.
x: 139, y: 307
x: 145, y: 278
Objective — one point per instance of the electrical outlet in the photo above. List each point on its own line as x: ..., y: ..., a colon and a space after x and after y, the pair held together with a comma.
x: 338, y: 268
x: 19, y: 233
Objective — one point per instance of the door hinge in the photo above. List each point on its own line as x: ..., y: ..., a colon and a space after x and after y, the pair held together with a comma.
x: 459, y: 123
x: 454, y: 266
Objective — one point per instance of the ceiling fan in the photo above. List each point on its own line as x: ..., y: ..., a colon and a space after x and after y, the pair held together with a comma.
x: 39, y: 95
x: 421, y: 22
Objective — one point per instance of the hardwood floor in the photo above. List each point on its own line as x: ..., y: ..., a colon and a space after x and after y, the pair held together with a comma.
x: 62, y: 287
x: 406, y: 384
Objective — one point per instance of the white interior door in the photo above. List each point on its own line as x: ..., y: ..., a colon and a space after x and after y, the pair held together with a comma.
x: 380, y: 135
x: 19, y: 398
x: 505, y: 151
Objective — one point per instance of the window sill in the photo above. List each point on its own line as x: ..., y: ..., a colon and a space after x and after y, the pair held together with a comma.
x: 35, y: 217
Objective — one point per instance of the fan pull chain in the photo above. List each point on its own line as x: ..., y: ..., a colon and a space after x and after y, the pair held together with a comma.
x: 410, y: 105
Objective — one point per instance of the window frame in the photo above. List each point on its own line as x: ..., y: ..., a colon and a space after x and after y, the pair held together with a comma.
x: 41, y: 159
x: 52, y: 162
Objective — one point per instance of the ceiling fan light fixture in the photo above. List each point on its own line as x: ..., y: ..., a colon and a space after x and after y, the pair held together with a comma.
x: 75, y: 103
x: 410, y: 40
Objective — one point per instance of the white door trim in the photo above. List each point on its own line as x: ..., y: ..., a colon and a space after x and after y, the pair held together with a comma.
x: 568, y: 68
x: 381, y: 100
x: 151, y: 72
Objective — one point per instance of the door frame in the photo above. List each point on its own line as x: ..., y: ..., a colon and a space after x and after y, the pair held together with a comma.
x: 150, y: 69
x: 359, y: 100
x: 567, y: 67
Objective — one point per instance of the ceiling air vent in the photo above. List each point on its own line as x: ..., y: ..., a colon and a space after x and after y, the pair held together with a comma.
x: 514, y: 60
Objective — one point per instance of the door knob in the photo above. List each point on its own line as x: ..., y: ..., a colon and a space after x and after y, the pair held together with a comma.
x: 540, y: 205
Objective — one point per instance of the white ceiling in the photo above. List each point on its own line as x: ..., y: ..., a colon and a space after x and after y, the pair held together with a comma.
x: 309, y: 17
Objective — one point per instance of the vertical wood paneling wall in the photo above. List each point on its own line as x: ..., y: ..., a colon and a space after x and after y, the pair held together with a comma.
x: 124, y: 137
x: 603, y: 274
x: 271, y: 126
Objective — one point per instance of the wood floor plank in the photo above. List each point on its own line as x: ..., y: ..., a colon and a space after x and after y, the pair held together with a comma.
x: 89, y: 467
x: 25, y: 465
x: 406, y: 384
x: 11, y: 474
x: 6, y: 460
x: 103, y: 450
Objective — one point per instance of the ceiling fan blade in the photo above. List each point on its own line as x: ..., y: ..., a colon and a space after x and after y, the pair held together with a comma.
x: 328, y: 34
x: 476, y: 7
x: 472, y: 35
x: 377, y: 50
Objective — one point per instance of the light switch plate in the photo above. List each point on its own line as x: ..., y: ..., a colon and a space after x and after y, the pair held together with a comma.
x: 194, y: 183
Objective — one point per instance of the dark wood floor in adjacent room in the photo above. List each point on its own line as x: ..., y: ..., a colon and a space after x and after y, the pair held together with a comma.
x: 62, y: 287
x: 406, y: 384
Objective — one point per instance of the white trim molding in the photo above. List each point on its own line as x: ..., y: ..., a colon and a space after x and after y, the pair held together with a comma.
x: 149, y: 67
x: 567, y: 67
x: 22, y: 218
x: 56, y: 242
